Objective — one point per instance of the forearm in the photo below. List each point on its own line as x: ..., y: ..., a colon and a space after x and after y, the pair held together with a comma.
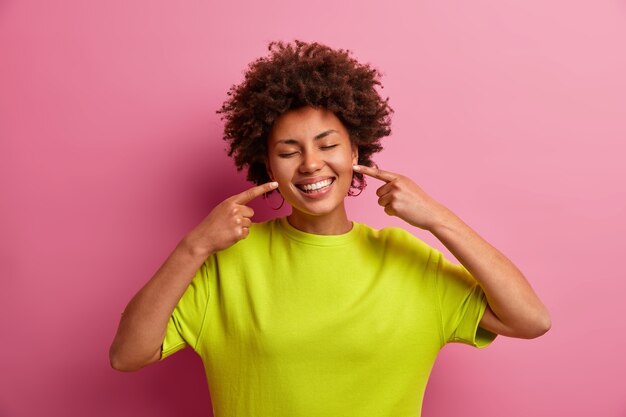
x: 509, y: 294
x: 519, y: 311
x: 144, y: 321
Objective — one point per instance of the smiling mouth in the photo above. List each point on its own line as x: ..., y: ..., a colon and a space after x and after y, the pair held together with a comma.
x: 315, y: 187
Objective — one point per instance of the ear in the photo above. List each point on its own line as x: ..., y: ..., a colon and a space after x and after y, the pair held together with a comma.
x: 268, y: 169
x: 355, y: 154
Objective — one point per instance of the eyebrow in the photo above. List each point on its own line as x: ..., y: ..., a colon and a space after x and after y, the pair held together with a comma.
x: 317, y: 137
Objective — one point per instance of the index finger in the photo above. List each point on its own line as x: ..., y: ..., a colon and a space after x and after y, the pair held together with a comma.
x: 375, y: 172
x: 250, y: 194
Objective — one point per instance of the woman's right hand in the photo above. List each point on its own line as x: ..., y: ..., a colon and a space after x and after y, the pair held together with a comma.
x: 227, y: 223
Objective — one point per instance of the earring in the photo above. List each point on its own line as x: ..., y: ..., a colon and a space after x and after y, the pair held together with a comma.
x: 361, y: 187
x: 267, y: 199
x: 351, y: 194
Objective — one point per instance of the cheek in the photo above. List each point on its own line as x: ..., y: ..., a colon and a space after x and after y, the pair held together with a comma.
x: 342, y: 163
x: 282, y: 169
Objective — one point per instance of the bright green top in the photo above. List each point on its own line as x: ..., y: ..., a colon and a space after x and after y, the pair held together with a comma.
x: 294, y: 324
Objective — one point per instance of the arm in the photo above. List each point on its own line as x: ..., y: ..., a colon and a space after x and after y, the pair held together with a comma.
x: 144, y: 321
x: 142, y: 327
x: 514, y: 309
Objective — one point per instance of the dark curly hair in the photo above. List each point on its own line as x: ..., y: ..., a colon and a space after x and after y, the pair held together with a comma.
x: 304, y: 74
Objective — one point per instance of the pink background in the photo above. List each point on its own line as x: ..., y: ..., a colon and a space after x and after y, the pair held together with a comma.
x: 512, y: 113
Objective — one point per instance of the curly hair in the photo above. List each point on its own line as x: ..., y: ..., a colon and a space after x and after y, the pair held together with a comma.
x: 304, y: 74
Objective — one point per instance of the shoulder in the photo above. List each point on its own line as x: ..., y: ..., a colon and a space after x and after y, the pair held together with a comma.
x: 260, y: 234
x: 264, y: 227
x: 391, y: 235
x: 396, y: 238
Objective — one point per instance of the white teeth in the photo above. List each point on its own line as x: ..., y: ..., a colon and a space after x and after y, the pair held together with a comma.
x: 317, y: 185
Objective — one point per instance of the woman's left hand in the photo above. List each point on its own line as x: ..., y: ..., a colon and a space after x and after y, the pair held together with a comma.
x: 402, y: 198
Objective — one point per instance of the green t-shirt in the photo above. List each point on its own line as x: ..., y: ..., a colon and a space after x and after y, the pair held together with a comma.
x: 294, y: 324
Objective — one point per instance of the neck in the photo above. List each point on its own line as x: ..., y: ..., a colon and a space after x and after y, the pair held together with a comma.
x: 335, y: 223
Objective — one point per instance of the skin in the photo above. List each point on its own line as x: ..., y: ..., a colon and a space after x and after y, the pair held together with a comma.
x: 307, y: 145
x: 143, y: 324
x: 514, y: 309
x: 296, y: 153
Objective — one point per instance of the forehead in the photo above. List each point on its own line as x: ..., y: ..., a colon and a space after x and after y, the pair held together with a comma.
x: 304, y: 123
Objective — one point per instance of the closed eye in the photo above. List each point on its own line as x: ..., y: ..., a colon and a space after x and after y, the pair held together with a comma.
x: 328, y: 146
x: 287, y: 155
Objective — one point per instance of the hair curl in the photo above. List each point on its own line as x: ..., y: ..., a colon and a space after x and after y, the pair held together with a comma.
x: 304, y: 74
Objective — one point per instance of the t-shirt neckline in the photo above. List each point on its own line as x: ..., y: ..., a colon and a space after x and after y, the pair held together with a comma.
x: 318, y: 240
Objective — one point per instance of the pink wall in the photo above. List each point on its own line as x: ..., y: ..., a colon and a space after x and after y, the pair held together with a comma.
x: 511, y: 113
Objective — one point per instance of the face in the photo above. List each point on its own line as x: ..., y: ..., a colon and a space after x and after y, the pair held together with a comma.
x: 310, y: 156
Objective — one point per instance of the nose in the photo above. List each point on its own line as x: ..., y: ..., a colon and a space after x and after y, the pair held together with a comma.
x: 311, y: 162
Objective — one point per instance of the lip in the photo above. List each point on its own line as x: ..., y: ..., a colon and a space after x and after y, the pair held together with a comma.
x: 318, y: 193
x: 314, y: 180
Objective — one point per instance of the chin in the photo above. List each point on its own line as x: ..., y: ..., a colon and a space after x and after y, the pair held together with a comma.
x: 318, y: 204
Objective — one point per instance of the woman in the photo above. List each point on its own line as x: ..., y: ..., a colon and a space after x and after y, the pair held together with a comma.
x: 312, y: 314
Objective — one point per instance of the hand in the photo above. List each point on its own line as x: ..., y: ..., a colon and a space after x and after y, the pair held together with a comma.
x: 402, y: 198
x: 227, y: 223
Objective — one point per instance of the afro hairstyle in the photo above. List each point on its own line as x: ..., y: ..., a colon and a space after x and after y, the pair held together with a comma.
x: 300, y: 74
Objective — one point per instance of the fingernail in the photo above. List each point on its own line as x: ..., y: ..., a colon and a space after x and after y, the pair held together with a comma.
x: 273, y: 184
x: 356, y: 167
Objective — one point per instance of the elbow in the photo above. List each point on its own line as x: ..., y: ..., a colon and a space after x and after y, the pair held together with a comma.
x: 540, y: 327
x: 121, y: 363
x: 546, y: 325
x: 120, y: 366
x: 117, y: 362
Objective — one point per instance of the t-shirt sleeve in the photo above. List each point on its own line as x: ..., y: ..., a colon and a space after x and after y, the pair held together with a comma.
x: 462, y: 304
x: 185, y: 324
